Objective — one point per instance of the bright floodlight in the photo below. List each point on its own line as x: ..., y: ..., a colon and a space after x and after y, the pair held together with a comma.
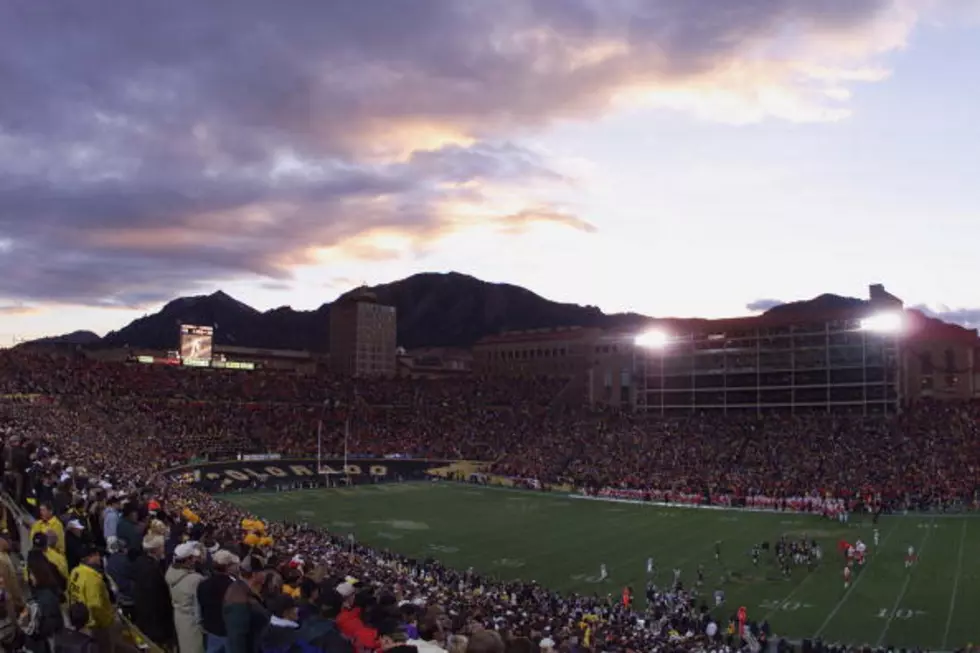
x: 653, y: 339
x: 883, y: 323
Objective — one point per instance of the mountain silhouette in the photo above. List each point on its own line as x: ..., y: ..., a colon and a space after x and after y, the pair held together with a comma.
x: 434, y: 309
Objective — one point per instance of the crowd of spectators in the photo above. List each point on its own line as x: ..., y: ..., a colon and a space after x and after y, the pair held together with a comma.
x: 83, y: 441
x: 929, y: 456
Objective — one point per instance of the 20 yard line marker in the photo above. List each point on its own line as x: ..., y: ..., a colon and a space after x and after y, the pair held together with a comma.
x: 956, y: 585
x: 847, y: 594
x: 905, y: 587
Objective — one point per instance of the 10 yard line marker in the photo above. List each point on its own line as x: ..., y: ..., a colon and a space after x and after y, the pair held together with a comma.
x: 905, y: 587
x: 847, y: 594
x: 956, y: 585
x: 789, y: 596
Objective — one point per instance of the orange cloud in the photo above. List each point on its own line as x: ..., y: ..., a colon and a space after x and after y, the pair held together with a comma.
x: 19, y: 309
x: 519, y: 222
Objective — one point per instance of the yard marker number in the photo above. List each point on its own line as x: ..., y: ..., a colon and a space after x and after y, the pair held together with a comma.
x: 902, y: 613
x: 784, y: 606
x: 586, y: 578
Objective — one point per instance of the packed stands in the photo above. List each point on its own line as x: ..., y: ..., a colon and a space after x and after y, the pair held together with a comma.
x: 83, y: 442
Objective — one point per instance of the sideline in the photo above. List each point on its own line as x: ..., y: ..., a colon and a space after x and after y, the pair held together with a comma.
x: 693, y: 506
x: 770, y: 511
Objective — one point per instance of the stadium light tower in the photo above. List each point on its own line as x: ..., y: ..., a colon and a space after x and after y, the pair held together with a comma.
x: 891, y: 322
x: 652, y: 339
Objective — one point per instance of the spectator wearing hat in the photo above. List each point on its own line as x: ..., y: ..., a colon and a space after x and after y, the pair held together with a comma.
x: 75, y: 541
x: 87, y: 587
x: 183, y: 580
x: 245, y: 614
x: 154, y: 611
x: 351, y: 620
x: 211, y: 597
x: 320, y: 628
x: 40, y: 543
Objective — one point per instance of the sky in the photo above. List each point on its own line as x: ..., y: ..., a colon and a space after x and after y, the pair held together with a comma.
x: 669, y: 157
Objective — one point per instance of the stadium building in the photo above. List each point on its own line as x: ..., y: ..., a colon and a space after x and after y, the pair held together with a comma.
x: 830, y: 354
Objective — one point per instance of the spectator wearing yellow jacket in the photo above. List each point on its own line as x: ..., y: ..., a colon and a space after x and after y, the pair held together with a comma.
x: 48, y: 523
x: 87, y: 586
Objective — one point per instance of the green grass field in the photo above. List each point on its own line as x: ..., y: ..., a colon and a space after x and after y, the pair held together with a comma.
x: 560, y: 542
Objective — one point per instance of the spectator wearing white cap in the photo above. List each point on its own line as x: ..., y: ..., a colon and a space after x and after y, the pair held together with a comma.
x: 75, y: 542
x: 183, y: 580
x: 211, y: 596
x: 154, y: 612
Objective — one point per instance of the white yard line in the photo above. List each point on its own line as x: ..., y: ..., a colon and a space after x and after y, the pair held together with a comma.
x: 847, y: 594
x: 905, y: 586
x: 956, y: 586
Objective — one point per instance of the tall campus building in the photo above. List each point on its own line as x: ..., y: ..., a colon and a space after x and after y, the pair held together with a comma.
x: 363, y: 336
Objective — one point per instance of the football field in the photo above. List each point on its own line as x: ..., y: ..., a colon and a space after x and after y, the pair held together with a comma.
x: 560, y: 542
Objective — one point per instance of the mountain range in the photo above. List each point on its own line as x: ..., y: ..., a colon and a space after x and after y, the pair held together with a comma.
x: 433, y: 309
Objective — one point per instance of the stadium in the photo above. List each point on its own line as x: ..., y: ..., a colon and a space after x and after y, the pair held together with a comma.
x: 806, y: 481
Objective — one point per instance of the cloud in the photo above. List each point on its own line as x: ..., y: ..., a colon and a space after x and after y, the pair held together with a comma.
x: 519, y: 222
x: 761, y: 305
x: 18, y: 309
x: 151, y: 146
x: 968, y: 317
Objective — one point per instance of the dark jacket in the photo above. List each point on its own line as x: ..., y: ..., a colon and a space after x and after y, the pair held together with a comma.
x: 323, y: 634
x: 129, y: 531
x: 245, y: 619
x: 151, y: 600
x: 49, y: 619
x: 281, y: 637
x: 211, y: 599
x: 118, y: 567
x: 75, y: 545
x: 73, y: 641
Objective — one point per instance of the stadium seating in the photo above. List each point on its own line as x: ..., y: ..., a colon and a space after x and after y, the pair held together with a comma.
x: 78, y: 432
